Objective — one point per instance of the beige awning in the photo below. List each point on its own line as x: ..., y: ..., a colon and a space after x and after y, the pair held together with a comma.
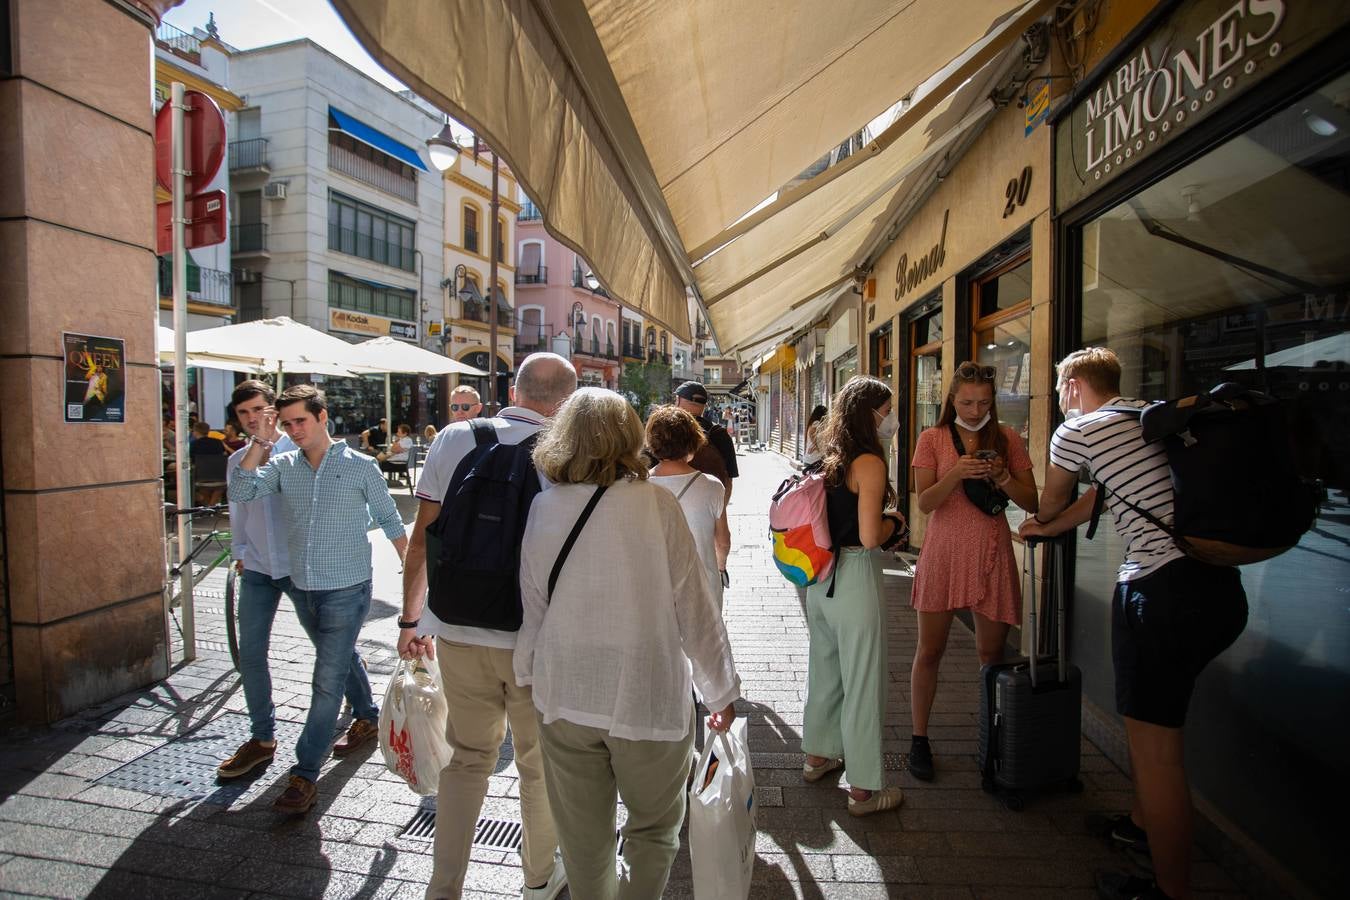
x: 646, y: 131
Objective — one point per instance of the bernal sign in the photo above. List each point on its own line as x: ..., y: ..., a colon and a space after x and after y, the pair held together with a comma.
x: 1201, y: 58
x: 909, y: 275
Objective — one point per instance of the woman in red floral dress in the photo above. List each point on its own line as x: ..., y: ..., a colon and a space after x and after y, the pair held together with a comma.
x: 967, y: 560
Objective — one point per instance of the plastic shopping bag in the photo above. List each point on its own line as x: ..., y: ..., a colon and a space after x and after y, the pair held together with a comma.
x: 722, y: 817
x: 412, y: 725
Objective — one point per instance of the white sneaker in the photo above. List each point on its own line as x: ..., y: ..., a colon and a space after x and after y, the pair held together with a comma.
x: 556, y: 882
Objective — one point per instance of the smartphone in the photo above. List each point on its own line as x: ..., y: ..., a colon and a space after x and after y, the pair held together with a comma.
x: 986, y: 454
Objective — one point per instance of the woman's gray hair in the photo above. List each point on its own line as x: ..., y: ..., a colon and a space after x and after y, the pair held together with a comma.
x: 545, y: 380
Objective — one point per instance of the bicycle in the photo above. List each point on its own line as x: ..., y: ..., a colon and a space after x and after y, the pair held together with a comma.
x: 173, y: 582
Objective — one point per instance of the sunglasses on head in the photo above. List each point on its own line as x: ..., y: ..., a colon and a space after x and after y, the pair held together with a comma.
x: 462, y: 407
x: 971, y: 371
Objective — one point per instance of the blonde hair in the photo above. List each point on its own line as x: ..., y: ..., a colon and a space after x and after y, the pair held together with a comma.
x: 595, y: 438
x: 1099, y: 367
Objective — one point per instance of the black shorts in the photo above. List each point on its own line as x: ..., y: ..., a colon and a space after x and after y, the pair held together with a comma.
x: 1165, y: 628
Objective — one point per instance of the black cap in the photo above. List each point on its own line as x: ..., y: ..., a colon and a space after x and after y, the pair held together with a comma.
x: 693, y: 392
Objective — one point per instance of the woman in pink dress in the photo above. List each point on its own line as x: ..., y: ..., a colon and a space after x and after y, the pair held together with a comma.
x: 967, y: 560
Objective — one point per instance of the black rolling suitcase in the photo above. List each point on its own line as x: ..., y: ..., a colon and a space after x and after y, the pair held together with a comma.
x: 1030, y: 709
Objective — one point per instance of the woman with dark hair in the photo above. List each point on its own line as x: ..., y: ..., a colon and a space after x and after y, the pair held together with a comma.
x: 967, y: 560
x: 812, y: 453
x: 845, y: 614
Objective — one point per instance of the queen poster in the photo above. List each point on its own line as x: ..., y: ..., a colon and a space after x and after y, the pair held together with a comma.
x: 95, y: 379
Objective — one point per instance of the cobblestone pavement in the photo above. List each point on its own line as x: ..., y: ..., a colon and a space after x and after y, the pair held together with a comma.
x: 66, y: 831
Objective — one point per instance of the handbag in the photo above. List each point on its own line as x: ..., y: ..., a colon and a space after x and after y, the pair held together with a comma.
x: 986, y: 496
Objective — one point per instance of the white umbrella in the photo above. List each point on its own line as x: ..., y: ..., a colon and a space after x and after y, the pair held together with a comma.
x: 280, y: 345
x: 386, y: 354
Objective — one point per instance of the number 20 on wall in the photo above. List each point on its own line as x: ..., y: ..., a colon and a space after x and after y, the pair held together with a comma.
x: 1016, y: 192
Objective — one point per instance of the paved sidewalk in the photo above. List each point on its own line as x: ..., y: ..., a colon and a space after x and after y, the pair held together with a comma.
x: 66, y: 830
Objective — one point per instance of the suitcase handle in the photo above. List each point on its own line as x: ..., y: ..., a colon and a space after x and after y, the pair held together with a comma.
x: 1030, y: 600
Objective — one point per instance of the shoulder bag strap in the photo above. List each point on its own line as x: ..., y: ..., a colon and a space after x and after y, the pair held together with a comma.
x: 956, y: 440
x: 687, y: 485
x: 572, y: 538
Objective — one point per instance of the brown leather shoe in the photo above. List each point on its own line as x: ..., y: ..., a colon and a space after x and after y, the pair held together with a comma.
x: 360, y: 732
x: 251, y: 754
x: 298, y: 797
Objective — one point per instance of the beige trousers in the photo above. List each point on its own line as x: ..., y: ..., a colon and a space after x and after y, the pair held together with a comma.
x: 480, y: 688
x: 586, y: 767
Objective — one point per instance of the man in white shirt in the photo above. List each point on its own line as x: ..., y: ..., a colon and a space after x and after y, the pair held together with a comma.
x: 476, y: 663
x: 465, y: 404
x: 263, y: 561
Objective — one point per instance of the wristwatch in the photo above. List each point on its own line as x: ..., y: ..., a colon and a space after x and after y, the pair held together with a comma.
x: 412, y: 624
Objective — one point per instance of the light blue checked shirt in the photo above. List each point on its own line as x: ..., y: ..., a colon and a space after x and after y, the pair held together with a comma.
x: 326, y: 512
x: 257, y: 529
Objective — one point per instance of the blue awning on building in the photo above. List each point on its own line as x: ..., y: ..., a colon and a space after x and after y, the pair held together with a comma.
x: 380, y: 141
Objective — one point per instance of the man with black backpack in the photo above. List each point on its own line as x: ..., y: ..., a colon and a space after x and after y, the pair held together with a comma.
x: 463, y: 562
x: 1171, y: 613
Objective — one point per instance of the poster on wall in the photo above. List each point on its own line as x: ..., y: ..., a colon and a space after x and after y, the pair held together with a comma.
x: 95, y: 378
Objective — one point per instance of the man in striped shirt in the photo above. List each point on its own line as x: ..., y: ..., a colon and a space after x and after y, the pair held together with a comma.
x: 330, y: 494
x: 1170, y: 614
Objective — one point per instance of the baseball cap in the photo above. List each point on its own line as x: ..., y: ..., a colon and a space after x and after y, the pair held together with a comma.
x: 693, y: 392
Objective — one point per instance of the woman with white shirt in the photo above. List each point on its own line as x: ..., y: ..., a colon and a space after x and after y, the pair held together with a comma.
x: 673, y: 437
x: 607, y: 627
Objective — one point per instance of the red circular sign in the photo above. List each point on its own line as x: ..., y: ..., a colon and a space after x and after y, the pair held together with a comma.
x: 203, y: 142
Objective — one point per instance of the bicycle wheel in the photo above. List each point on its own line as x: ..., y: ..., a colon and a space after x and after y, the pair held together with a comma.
x: 231, y: 615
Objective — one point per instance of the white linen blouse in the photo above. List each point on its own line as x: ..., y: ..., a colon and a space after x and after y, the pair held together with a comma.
x: 631, y: 612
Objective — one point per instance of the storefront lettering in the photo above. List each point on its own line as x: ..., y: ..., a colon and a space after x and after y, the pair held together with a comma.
x: 908, y: 277
x: 1148, y: 89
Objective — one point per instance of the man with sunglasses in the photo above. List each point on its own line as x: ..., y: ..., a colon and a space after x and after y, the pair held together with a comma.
x: 465, y: 404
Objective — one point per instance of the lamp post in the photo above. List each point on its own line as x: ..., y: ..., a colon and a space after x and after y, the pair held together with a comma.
x: 443, y: 150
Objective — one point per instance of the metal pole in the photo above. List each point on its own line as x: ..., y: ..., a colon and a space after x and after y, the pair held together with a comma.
x: 180, y: 394
x: 492, y: 294
x: 388, y: 413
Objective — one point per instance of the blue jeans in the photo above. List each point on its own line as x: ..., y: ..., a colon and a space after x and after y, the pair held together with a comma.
x: 259, y: 597
x: 333, y: 619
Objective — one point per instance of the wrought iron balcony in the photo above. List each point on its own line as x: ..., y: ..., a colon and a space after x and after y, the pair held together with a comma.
x: 536, y: 276
x: 476, y: 311
x: 248, y: 238
x: 533, y: 337
x: 203, y: 285
x: 248, y: 154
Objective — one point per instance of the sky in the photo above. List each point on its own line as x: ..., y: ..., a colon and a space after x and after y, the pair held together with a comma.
x: 256, y: 23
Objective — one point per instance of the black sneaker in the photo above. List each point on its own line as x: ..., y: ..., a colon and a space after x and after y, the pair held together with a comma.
x: 1125, y: 834
x: 921, y: 761
x: 1121, y: 886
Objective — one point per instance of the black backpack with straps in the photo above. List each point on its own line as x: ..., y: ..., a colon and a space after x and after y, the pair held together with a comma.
x: 473, y: 574
x: 1237, y: 497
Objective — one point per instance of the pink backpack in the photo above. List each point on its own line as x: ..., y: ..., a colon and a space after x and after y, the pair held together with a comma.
x: 800, y: 529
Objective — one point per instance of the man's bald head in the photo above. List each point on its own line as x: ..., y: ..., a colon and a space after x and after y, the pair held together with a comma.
x: 543, y: 382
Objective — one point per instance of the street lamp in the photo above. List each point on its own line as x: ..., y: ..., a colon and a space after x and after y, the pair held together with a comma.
x: 443, y: 148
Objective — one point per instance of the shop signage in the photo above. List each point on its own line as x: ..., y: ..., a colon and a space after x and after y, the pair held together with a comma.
x: 909, y: 275
x: 350, y: 322
x: 1037, y: 106
x: 1201, y: 58
x: 95, y: 378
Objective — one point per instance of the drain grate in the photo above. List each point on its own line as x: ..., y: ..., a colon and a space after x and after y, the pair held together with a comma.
x: 186, y: 766
x: 488, y: 834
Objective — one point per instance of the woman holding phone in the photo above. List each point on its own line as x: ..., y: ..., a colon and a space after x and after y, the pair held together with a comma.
x: 966, y: 468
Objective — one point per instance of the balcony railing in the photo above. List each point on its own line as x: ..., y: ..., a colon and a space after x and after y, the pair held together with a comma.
x: 529, y: 213
x: 249, y: 238
x: 367, y: 246
x: 249, y: 154
x: 632, y: 350
x: 579, y: 281
x: 340, y: 159
x: 179, y: 42
x: 476, y: 311
x: 538, y: 276
x: 654, y: 356
x: 203, y: 285
x: 532, y: 337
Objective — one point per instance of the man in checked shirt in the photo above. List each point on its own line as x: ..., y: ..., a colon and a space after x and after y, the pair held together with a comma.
x: 330, y: 493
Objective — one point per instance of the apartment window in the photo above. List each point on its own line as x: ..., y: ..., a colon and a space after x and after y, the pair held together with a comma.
x: 345, y: 292
x: 364, y: 163
x: 470, y: 229
x: 369, y: 232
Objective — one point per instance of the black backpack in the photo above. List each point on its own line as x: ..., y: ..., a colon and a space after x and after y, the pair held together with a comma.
x: 473, y: 575
x: 1237, y: 497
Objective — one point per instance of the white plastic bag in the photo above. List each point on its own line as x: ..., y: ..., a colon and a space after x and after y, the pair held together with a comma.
x: 412, y: 725
x: 722, y: 817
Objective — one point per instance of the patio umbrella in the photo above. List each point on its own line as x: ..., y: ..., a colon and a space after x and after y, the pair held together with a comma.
x: 388, y: 355
x: 277, y: 345
x: 225, y: 363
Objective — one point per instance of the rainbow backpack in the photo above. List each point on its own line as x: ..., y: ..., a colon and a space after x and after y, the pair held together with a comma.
x: 799, y: 527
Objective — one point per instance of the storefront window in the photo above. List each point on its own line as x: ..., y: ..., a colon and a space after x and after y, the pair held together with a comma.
x: 845, y: 368
x: 1235, y: 268
x: 880, y: 353
x: 1003, y: 340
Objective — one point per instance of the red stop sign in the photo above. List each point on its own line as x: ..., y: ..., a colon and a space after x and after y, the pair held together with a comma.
x: 203, y: 142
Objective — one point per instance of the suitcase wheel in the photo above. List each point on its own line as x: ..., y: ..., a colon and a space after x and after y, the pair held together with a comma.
x: 1013, y: 801
x: 1074, y: 786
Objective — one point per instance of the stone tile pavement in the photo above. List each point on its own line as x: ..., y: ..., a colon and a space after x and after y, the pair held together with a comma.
x: 65, y: 833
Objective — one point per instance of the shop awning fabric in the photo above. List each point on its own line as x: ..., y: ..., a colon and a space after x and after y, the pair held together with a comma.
x: 645, y: 130
x: 377, y: 139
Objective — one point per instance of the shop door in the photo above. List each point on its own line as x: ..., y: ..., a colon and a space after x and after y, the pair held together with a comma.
x: 923, y: 389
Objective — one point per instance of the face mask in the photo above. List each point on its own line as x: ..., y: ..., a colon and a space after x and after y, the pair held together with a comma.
x: 977, y: 426
x: 888, y: 426
x: 1072, y: 412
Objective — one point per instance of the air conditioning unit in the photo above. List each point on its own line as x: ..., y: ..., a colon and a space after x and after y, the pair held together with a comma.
x: 275, y: 190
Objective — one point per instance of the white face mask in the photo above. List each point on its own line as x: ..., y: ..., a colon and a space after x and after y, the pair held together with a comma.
x: 888, y: 426
x: 977, y: 426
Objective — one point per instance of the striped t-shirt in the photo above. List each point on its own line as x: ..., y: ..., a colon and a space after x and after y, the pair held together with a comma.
x: 1110, y: 445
